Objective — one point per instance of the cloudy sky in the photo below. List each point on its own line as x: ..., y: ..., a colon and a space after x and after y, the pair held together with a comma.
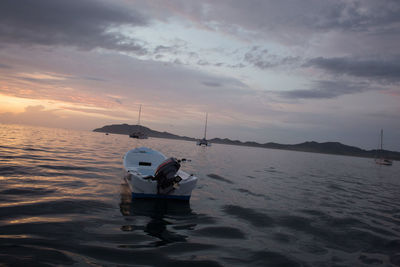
x: 267, y: 71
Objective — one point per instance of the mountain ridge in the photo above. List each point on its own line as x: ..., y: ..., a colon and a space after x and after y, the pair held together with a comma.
x: 335, y: 148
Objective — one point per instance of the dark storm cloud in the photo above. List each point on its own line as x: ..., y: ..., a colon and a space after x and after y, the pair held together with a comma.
x: 84, y: 24
x: 327, y: 89
x: 381, y: 70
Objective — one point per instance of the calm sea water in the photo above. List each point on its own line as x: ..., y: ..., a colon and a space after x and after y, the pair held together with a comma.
x: 63, y: 202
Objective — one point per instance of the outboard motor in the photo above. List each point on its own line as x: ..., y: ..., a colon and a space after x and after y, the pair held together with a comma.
x: 166, y: 177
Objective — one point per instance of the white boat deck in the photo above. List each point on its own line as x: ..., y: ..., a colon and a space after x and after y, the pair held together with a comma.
x: 143, y: 162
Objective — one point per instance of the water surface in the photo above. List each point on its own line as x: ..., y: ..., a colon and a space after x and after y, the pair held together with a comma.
x: 63, y: 202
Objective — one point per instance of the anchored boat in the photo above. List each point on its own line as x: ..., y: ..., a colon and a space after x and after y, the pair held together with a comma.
x: 204, y: 141
x: 139, y: 134
x: 150, y: 174
x: 381, y: 160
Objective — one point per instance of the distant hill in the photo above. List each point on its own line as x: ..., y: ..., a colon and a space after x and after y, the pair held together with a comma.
x: 128, y: 129
x: 315, y: 147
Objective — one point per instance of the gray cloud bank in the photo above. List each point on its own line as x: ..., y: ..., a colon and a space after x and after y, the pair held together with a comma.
x: 382, y: 70
x: 84, y: 24
x: 327, y: 90
x: 262, y: 59
x: 286, y: 20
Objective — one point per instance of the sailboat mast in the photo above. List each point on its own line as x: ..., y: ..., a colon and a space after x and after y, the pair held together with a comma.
x: 205, y: 127
x: 140, y: 111
x: 381, y: 139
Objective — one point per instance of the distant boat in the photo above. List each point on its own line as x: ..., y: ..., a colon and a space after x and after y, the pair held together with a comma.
x: 149, y: 174
x: 204, y: 142
x: 138, y: 134
x: 381, y: 160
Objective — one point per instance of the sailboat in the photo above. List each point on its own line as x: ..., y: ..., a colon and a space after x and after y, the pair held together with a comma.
x: 204, y: 142
x: 138, y: 134
x: 381, y: 160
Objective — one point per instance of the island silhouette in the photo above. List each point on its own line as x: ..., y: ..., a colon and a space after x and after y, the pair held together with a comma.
x: 335, y: 148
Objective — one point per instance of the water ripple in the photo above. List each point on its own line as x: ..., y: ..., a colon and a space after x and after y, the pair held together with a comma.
x: 62, y: 203
x: 219, y: 178
x: 253, y: 217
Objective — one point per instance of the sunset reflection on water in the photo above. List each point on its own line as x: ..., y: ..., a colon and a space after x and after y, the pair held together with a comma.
x: 63, y: 201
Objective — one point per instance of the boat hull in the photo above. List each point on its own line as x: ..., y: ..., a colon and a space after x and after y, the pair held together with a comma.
x: 383, y: 162
x: 158, y: 196
x: 203, y: 143
x: 140, y: 165
x: 147, y: 188
x: 137, y: 136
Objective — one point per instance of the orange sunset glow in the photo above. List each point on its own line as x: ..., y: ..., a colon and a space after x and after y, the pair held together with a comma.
x: 257, y: 83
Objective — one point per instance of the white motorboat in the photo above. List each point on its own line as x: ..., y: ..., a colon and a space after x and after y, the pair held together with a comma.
x: 150, y: 174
